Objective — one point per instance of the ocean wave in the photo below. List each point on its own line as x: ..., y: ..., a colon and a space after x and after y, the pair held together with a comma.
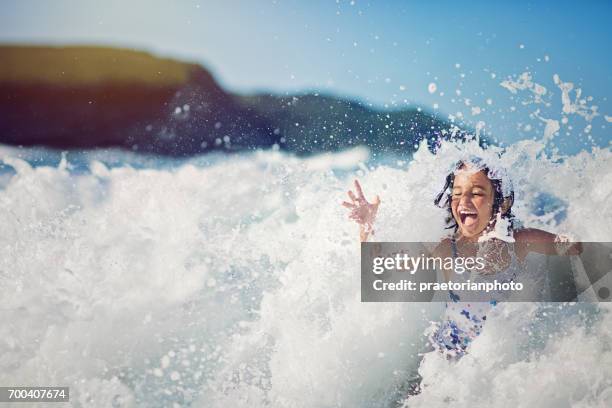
x: 234, y: 281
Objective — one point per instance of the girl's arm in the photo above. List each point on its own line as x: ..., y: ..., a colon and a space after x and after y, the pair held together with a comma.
x: 535, y: 240
x: 363, y: 233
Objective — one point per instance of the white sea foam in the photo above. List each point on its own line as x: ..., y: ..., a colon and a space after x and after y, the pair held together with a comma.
x: 236, y: 283
x: 528, y: 355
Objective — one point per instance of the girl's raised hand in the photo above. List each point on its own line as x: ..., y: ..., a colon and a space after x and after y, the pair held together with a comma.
x: 362, y: 211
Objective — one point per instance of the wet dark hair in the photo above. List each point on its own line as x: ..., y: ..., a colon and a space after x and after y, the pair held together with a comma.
x: 498, y: 197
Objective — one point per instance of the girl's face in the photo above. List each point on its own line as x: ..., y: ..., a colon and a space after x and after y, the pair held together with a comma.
x: 472, y: 201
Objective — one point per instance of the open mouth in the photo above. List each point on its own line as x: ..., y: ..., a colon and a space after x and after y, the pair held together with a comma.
x: 468, y: 217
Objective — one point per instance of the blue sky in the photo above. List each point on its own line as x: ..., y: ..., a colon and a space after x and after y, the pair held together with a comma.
x: 382, y: 52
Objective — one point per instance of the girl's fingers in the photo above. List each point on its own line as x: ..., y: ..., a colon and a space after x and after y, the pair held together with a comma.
x: 375, y: 204
x: 352, y: 196
x: 359, y: 190
x: 348, y: 205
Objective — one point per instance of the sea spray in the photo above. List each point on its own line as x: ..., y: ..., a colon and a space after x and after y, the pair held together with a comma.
x: 237, y: 282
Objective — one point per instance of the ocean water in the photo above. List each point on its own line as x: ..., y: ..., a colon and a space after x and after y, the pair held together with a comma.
x: 216, y: 281
x: 234, y: 281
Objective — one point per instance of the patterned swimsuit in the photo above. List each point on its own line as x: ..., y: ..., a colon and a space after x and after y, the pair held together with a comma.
x: 463, y: 321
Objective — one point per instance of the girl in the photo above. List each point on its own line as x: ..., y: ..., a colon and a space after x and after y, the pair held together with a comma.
x: 479, y: 201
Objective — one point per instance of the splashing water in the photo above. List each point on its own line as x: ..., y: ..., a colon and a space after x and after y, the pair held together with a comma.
x: 234, y: 281
x: 237, y: 283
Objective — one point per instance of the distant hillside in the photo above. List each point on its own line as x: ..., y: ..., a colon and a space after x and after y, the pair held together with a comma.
x: 69, y: 66
x: 89, y: 97
x: 315, y: 123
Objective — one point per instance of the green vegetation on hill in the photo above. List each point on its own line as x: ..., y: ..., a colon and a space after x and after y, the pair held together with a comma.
x: 77, y: 65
